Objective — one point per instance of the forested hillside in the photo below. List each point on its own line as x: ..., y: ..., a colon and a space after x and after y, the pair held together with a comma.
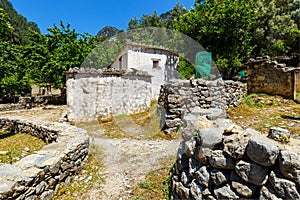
x: 19, y: 23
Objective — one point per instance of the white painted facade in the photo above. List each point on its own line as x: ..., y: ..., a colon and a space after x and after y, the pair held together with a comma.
x: 160, y: 63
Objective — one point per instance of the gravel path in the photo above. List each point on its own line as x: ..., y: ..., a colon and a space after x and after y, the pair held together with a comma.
x: 127, y: 161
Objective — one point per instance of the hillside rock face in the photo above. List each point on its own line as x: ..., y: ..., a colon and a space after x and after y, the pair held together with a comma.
x: 232, y: 163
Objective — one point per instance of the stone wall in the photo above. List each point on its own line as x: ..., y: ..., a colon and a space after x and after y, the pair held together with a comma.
x: 104, y: 97
x: 267, y: 76
x: 231, y: 163
x: 37, y: 175
x: 188, y: 100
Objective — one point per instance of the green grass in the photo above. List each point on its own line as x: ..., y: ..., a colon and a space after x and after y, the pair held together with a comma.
x: 12, y: 146
x: 156, y: 185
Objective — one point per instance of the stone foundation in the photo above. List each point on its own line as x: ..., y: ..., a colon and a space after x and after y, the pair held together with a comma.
x: 37, y: 175
x: 189, y: 100
x: 232, y: 163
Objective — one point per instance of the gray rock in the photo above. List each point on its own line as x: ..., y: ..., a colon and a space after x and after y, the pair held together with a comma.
x: 262, y: 151
x: 215, y: 113
x: 40, y: 188
x: 209, y: 137
x: 225, y: 192
x: 196, y: 190
x: 284, y: 188
x: 47, y: 195
x: 189, y: 147
x: 232, y: 129
x: 194, y: 166
x: 279, y: 134
x: 241, y: 187
x: 235, y: 145
x: 220, y: 161
x: 203, y: 176
x: 173, y: 123
x: 251, y: 172
x: 180, y: 190
x: 289, y: 164
x: 185, y: 179
x: 266, y: 193
x: 202, y: 154
x: 218, y: 177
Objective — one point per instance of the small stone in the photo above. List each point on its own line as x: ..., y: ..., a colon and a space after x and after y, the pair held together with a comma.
x: 225, y: 192
x: 203, y: 176
x: 220, y: 161
x: 40, y: 188
x: 243, y: 188
x: 266, y: 193
x: 266, y: 149
x: 180, y: 190
x: 284, y: 188
x: 196, y: 190
x: 218, y: 177
x: 251, y: 172
x: 202, y: 154
x: 279, y: 134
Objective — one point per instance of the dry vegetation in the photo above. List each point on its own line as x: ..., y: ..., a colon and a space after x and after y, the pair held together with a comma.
x: 89, y: 179
x: 260, y: 111
x: 15, y: 146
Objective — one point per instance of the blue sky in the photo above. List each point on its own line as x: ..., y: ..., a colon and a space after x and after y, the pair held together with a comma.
x: 91, y: 15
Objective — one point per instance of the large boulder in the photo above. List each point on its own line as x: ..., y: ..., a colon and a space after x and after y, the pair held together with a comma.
x: 210, y: 137
x: 284, y: 188
x: 289, y: 164
x: 262, y: 151
x: 251, y: 172
x: 235, y: 145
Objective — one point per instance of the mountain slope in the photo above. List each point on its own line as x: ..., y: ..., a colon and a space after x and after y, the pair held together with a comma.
x: 19, y: 22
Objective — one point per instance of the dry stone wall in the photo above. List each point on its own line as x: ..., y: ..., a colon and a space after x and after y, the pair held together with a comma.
x: 37, y: 175
x: 232, y: 163
x: 268, y: 76
x: 187, y: 100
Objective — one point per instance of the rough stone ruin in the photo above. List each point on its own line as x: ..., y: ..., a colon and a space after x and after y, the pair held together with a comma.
x: 265, y: 75
x: 231, y: 163
x: 36, y: 176
x: 197, y: 101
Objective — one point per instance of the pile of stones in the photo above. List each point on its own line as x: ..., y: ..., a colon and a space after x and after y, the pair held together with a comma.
x: 232, y: 163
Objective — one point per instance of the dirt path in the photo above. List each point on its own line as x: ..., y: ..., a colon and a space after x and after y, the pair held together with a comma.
x: 127, y: 161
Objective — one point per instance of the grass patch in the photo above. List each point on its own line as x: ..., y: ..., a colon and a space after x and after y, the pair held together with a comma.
x: 88, y: 179
x: 261, y: 112
x: 14, y: 147
x: 156, y: 185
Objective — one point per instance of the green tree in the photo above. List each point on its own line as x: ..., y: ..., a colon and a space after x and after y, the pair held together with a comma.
x: 222, y: 27
x: 5, y: 28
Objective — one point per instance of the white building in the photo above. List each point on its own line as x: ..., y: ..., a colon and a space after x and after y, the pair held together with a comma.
x: 159, y: 62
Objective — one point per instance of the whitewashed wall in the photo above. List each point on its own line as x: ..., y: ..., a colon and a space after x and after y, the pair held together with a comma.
x: 100, y: 98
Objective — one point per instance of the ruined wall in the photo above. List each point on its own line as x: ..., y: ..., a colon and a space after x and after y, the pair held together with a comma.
x: 189, y: 100
x: 232, y: 163
x: 36, y: 176
x: 267, y: 76
x: 105, y: 97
